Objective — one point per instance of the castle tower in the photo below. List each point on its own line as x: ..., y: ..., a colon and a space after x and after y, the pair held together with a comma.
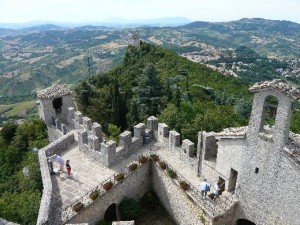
x: 136, y: 39
x: 53, y: 103
x: 283, y: 95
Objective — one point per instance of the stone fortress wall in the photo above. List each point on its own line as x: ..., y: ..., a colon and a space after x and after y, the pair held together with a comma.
x: 56, y: 147
x: 242, y: 150
x: 133, y: 186
x: 108, y: 153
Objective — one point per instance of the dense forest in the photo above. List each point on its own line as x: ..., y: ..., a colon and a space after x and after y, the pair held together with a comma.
x: 187, y: 96
x: 20, y: 178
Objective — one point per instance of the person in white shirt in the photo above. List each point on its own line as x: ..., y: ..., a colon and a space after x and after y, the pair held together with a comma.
x: 217, y: 190
x: 60, y: 161
x: 204, y: 187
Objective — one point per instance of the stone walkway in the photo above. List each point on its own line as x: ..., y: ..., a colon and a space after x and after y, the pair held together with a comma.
x: 86, y: 174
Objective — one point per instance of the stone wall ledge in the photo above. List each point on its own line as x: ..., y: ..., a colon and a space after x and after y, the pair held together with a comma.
x: 55, y: 147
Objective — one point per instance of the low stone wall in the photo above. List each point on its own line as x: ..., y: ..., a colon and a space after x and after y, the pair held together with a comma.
x: 176, y: 202
x: 55, y: 147
x: 185, y: 150
x: 134, y: 186
x: 60, y: 145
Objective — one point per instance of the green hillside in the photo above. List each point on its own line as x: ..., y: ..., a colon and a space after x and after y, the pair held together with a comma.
x: 153, y: 81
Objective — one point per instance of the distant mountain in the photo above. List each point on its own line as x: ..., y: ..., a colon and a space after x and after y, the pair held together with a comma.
x: 42, y: 28
x: 6, y: 32
x: 249, y: 24
x: 28, y: 30
x: 253, y: 49
x: 111, y: 22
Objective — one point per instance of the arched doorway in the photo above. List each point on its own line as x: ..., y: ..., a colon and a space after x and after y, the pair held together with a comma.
x: 244, y: 222
x: 111, y: 213
x: 57, y: 104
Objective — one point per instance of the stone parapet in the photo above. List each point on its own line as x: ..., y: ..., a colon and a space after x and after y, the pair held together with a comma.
x: 90, y: 140
x: 56, y: 147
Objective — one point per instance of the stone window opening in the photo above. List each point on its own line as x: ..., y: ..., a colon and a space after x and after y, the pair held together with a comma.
x: 221, y: 181
x: 256, y: 170
x: 232, y: 180
x: 57, y: 104
x: 211, y: 149
x: 269, y: 113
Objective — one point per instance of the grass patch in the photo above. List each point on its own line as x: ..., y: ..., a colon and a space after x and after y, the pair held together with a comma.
x: 17, y: 110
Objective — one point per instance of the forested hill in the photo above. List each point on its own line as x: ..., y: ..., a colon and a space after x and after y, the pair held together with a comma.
x: 153, y: 81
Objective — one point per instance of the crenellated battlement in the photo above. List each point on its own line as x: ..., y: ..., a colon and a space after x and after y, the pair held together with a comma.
x: 184, y: 149
x: 237, y: 160
x: 107, y: 152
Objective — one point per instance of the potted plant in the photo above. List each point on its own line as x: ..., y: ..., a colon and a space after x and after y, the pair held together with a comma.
x: 154, y: 157
x: 184, y: 185
x: 143, y: 159
x: 78, y: 206
x: 163, y: 165
x: 94, y: 195
x: 172, y: 173
x: 108, y: 185
x: 133, y: 167
x: 119, y: 177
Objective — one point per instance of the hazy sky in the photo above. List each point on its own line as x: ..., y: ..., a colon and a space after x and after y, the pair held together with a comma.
x: 12, y: 11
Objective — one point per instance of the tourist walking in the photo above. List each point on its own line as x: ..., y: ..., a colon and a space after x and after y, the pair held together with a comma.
x: 60, y: 161
x: 204, y: 187
x: 68, y: 167
x: 217, y: 189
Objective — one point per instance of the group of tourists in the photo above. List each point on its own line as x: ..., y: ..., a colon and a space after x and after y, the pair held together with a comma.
x: 205, y: 188
x: 61, y: 163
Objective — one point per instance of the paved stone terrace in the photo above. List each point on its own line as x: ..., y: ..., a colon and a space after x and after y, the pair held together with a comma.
x: 86, y: 174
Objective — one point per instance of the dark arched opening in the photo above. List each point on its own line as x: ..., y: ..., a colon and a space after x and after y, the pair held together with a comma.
x: 244, y: 222
x: 111, y: 213
x: 57, y: 103
x: 270, y: 110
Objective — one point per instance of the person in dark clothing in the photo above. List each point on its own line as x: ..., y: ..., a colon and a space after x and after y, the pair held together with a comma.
x: 68, y: 167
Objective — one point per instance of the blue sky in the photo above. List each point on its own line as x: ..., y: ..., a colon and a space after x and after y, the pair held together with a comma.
x: 15, y: 11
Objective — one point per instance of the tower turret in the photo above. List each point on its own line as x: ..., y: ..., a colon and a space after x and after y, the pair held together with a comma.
x: 53, y: 103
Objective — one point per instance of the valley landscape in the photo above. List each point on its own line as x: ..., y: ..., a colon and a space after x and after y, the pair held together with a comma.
x: 250, y: 49
x: 129, y: 112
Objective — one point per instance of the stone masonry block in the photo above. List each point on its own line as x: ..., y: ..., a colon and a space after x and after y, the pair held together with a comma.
x: 82, y: 137
x: 57, y: 124
x: 174, y: 139
x: 71, y: 112
x: 87, y: 123
x: 125, y: 139
x: 78, y: 117
x: 162, y: 131
x: 64, y: 129
x: 139, y: 130
x: 109, y: 151
x: 188, y: 147
x: 97, y: 130
x: 94, y: 143
x: 152, y: 123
